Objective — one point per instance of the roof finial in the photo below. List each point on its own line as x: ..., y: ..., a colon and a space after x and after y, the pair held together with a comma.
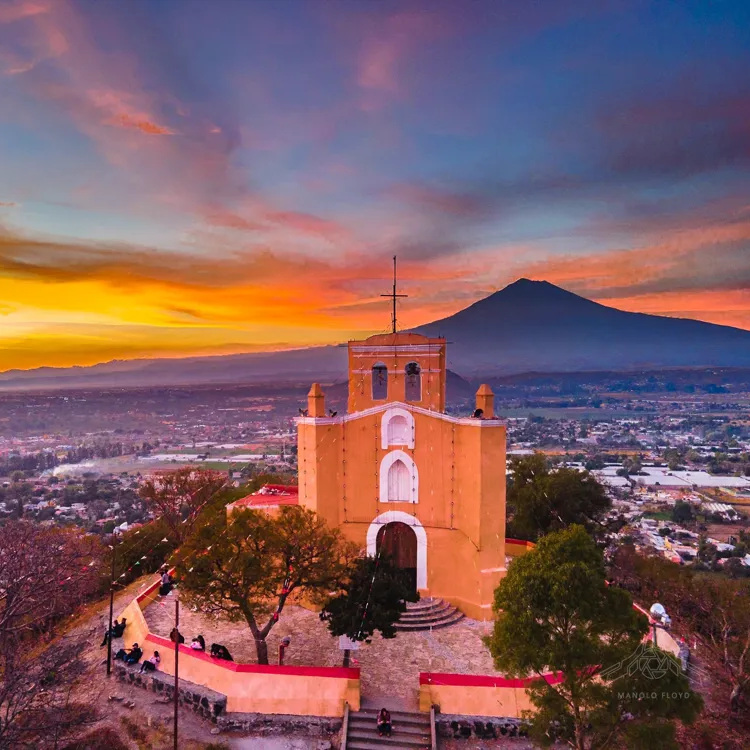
x: 394, y: 296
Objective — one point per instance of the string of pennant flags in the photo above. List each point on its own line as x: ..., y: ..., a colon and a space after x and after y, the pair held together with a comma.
x: 190, y: 517
x: 138, y: 562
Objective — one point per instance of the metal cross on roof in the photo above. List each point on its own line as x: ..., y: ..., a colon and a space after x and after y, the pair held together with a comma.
x: 394, y: 296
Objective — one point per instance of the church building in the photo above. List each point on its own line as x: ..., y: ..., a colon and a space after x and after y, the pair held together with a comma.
x: 397, y: 473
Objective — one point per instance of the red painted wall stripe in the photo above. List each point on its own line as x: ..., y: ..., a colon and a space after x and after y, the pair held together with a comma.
x: 470, y: 680
x: 153, y: 587
x: 524, y: 542
x: 348, y: 673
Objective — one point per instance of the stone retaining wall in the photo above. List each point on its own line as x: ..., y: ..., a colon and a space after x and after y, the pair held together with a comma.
x: 444, y: 728
x: 280, y: 724
x: 206, y: 703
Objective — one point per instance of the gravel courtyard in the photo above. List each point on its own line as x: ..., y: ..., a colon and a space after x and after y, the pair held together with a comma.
x: 390, y: 667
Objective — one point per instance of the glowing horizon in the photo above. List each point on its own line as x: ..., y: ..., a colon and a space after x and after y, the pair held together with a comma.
x: 178, y: 180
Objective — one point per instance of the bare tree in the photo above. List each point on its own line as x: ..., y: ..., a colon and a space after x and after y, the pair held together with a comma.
x: 178, y: 496
x: 38, y: 708
x: 45, y: 574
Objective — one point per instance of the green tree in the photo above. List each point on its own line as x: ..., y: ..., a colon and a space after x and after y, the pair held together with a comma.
x: 540, y: 500
x: 706, y: 551
x: 248, y: 567
x: 632, y: 465
x: 373, y: 598
x: 673, y: 457
x: 682, y: 512
x: 555, y: 612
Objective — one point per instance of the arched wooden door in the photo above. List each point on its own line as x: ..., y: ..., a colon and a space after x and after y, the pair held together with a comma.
x: 400, y: 542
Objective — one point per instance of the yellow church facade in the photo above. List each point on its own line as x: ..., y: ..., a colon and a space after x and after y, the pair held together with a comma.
x: 396, y: 473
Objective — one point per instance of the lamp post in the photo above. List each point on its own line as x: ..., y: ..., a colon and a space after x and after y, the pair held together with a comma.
x: 111, y: 607
x: 176, y: 663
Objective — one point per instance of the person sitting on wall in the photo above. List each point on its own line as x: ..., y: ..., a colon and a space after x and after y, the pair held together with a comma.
x: 384, y: 722
x: 166, y: 583
x: 150, y: 664
x: 220, y: 652
x: 110, y: 633
x: 130, y: 655
x: 175, y: 636
x: 119, y: 628
x: 198, y: 643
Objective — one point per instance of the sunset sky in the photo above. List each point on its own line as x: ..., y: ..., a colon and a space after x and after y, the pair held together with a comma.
x: 195, y: 176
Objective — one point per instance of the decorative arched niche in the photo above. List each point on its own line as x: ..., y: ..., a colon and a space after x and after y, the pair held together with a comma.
x: 399, y: 478
x: 397, y: 428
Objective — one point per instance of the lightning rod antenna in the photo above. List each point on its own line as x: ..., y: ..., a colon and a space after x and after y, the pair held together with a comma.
x: 394, y: 297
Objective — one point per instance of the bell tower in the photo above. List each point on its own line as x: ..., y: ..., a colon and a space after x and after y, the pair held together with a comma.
x: 404, y: 367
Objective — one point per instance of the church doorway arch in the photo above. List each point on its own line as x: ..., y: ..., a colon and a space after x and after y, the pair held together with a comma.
x: 414, y: 525
x: 399, y: 542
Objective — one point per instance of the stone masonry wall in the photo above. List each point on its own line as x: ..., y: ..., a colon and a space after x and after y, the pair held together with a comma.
x: 206, y: 703
x: 280, y: 724
x: 212, y: 706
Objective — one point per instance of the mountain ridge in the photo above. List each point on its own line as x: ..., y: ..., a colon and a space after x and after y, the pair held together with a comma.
x: 536, y: 325
x: 527, y: 326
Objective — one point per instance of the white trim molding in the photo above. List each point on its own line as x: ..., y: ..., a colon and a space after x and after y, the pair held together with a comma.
x: 413, y: 408
x: 386, y: 420
x: 392, y: 516
x: 428, y: 349
x: 388, y: 460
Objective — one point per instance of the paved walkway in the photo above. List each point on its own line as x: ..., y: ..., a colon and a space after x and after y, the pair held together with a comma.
x: 390, y: 667
x: 275, y: 743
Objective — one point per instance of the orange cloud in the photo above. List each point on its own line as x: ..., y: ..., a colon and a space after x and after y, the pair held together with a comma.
x: 377, y: 66
x: 142, y: 124
x: 47, y: 43
x: 141, y: 301
x: 385, y: 50
x: 15, y: 11
x: 675, y: 259
x: 729, y: 307
x: 79, y: 304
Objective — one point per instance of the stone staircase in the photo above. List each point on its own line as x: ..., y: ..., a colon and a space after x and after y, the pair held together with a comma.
x: 411, y: 731
x: 428, y: 614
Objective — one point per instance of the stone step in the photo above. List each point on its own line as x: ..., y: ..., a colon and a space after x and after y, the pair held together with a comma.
x: 436, y: 609
x: 431, y: 623
x: 400, y: 727
x: 373, y: 741
x: 399, y: 733
x: 424, y: 605
x: 402, y: 717
x: 379, y: 742
x: 411, y: 731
